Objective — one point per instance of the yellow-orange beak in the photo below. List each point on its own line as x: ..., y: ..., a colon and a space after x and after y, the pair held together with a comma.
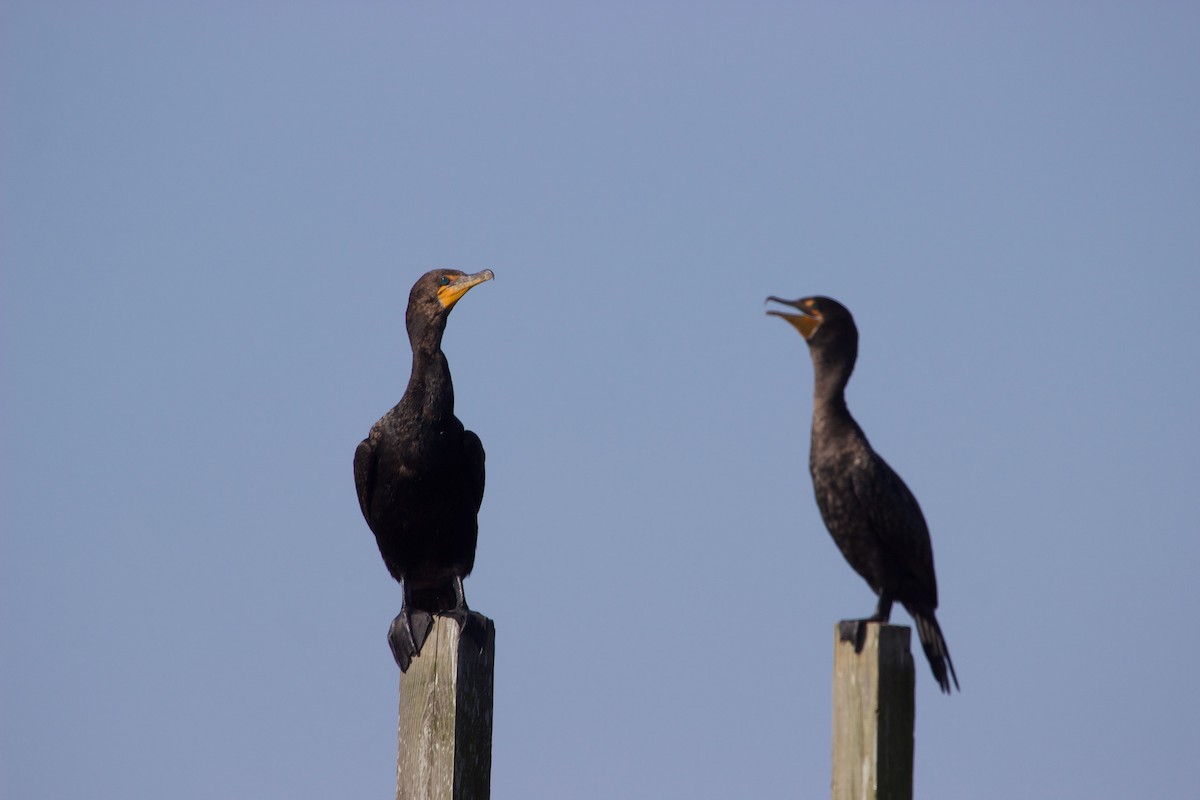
x: 452, y: 292
x: 807, y: 321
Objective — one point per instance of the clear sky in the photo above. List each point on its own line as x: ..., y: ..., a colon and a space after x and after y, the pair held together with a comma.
x: 211, y: 217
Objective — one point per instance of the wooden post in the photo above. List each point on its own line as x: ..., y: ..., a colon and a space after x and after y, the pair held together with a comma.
x: 873, y: 713
x: 446, y: 714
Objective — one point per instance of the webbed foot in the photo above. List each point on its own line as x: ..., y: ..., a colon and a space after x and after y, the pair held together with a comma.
x: 469, y: 623
x: 407, y: 634
x: 854, y: 631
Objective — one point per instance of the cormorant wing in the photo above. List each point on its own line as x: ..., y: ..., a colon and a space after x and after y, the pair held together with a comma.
x: 364, y: 475
x: 896, y: 521
x: 473, y: 448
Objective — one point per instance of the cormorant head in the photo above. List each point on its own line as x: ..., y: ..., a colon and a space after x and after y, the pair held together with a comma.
x: 436, y: 292
x: 822, y: 321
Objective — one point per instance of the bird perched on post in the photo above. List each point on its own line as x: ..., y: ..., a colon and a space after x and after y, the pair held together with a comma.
x: 870, y: 513
x: 420, y: 474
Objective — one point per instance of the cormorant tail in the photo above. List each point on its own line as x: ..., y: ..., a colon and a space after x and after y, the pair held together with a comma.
x: 934, y: 645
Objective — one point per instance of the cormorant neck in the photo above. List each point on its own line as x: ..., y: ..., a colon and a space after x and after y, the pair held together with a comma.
x: 430, y: 390
x: 831, y: 374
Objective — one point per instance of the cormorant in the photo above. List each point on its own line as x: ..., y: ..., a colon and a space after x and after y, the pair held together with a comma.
x: 420, y: 475
x: 872, y: 516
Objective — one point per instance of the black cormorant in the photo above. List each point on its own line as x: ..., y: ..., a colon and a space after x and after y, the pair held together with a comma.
x: 420, y: 475
x: 873, y: 517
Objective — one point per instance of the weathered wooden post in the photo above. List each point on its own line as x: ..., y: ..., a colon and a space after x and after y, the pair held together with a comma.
x: 873, y: 713
x: 446, y: 714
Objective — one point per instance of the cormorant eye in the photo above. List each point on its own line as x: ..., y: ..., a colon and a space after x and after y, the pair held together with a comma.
x: 444, y: 281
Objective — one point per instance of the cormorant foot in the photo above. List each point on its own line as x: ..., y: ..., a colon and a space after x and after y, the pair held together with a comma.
x: 407, y: 634
x: 855, y: 631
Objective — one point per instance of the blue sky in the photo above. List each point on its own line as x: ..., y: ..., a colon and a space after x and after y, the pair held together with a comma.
x: 211, y: 217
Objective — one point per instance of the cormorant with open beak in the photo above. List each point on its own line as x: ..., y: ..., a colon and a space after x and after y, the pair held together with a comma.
x: 869, y: 511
